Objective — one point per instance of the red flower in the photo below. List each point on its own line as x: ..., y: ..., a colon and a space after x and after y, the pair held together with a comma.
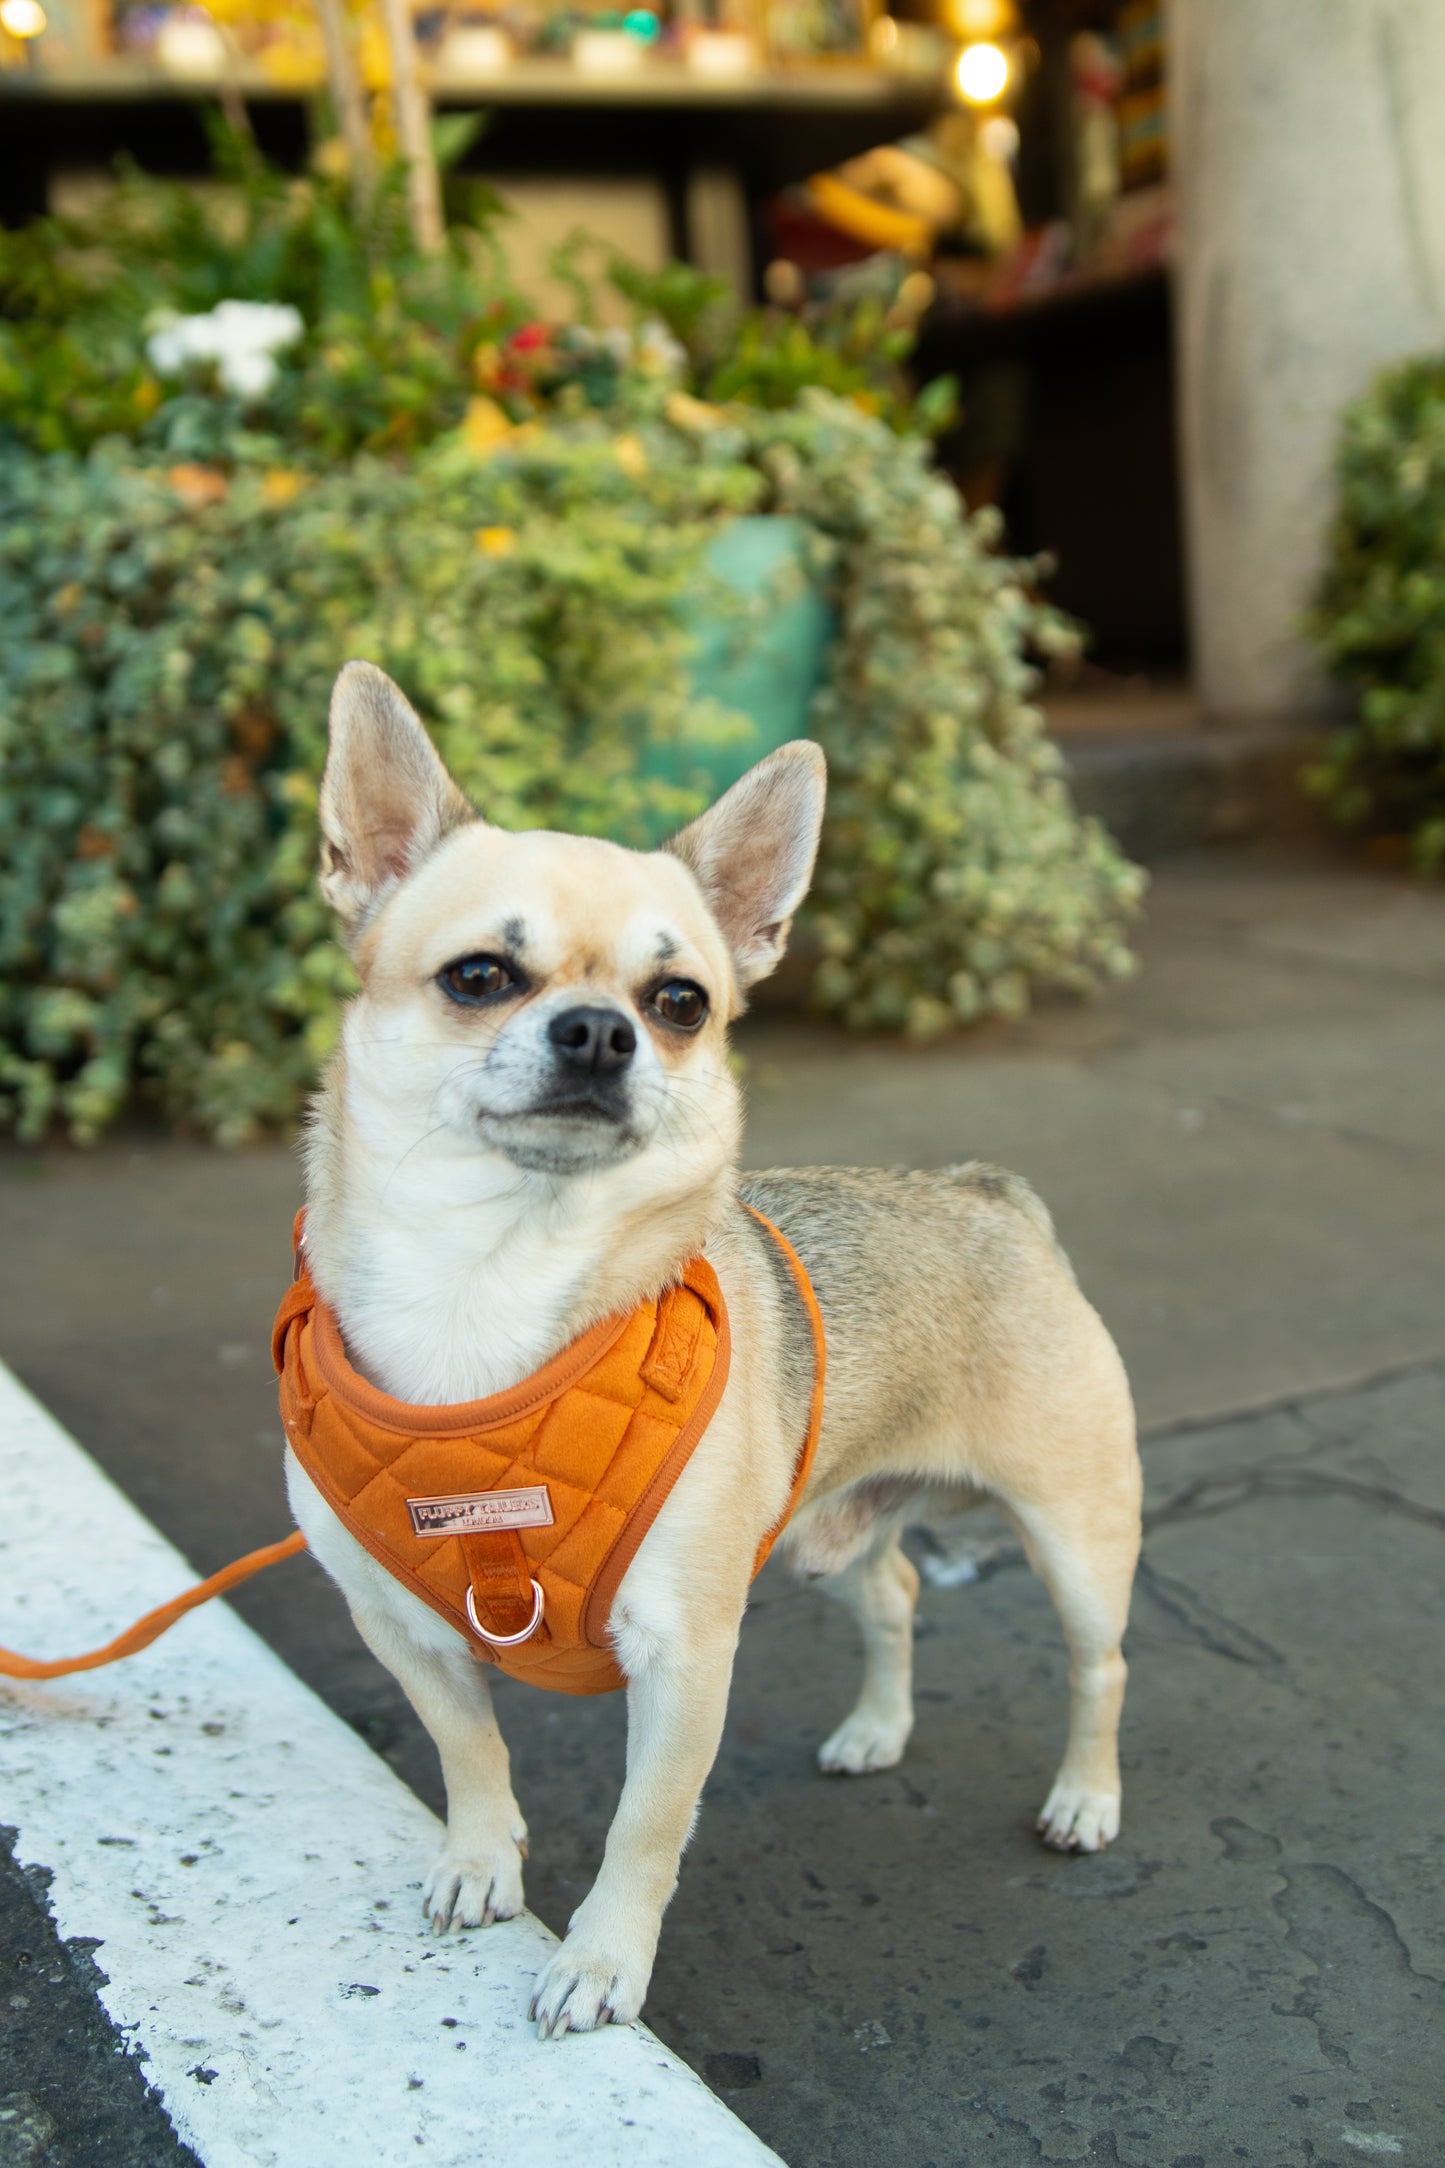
x: 530, y: 337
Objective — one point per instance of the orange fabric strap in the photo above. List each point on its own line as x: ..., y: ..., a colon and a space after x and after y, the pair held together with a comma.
x: 155, y: 1623
x: 501, y: 1582
x: 803, y: 1467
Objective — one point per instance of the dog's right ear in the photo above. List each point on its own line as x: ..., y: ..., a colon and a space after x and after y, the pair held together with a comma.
x: 386, y: 799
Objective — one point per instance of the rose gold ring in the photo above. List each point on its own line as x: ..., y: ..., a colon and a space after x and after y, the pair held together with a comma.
x: 507, y: 1641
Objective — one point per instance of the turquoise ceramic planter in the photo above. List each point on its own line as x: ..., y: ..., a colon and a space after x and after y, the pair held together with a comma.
x: 765, y: 668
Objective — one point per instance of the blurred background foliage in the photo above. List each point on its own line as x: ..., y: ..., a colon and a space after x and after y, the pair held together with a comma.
x: 397, y: 341
x: 514, y: 519
x: 1379, y: 621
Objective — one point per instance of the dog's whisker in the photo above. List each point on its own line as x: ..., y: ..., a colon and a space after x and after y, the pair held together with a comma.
x: 406, y: 1155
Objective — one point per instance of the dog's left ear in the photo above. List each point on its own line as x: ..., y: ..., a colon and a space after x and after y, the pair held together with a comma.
x: 752, y: 853
x: 386, y: 799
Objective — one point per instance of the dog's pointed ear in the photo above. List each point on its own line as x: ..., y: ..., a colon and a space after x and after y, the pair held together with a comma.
x: 752, y: 853
x: 386, y: 799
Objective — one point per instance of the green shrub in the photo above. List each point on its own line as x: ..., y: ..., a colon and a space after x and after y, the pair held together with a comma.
x: 1379, y: 620
x: 386, y: 360
x: 183, y: 571
x: 169, y: 634
x: 163, y: 689
x: 856, y: 342
x: 396, y: 345
x: 954, y: 874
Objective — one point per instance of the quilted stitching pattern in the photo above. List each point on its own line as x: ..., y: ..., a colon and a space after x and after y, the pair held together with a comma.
x: 596, y: 1447
x: 669, y: 1358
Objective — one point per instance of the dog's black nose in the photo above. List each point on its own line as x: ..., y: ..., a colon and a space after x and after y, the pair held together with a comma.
x: 595, y: 1040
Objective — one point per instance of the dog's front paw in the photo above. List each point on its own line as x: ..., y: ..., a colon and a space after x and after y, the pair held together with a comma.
x: 1076, y: 1819
x: 865, y: 1742
x: 472, y: 1890
x: 585, y: 1986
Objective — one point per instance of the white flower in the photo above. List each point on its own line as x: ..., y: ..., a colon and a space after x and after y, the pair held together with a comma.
x: 240, y: 337
x: 659, y: 351
x: 249, y: 373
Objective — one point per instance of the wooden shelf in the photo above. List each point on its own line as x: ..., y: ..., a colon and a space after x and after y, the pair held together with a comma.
x: 840, y: 87
x: 769, y: 129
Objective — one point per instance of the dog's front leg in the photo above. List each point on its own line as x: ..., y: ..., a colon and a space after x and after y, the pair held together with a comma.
x: 675, y: 1710
x: 478, y: 1877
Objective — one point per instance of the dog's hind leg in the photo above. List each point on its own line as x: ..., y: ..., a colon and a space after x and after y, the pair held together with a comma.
x: 478, y: 1877
x: 1086, y: 1561
x: 880, y: 1590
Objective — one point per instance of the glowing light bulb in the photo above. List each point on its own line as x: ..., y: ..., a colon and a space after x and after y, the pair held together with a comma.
x: 974, y: 19
x: 981, y: 73
x: 22, y: 18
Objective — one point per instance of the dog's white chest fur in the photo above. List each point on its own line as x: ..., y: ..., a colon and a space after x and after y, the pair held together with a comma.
x: 454, y: 1277
x: 432, y: 1323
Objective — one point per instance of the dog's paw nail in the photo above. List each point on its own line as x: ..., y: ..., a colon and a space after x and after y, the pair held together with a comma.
x: 577, y: 1994
x: 475, y: 1892
x: 1077, y: 1820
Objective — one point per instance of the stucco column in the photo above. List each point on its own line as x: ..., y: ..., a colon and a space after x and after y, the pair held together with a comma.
x: 1309, y: 145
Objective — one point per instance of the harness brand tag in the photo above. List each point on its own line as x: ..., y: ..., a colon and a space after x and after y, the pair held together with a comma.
x: 477, y: 1513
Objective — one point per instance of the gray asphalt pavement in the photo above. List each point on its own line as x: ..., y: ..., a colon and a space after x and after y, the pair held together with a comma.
x: 1243, y: 1152
x: 71, y: 2093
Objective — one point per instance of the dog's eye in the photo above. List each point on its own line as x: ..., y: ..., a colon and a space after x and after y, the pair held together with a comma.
x: 478, y: 978
x: 679, y: 1003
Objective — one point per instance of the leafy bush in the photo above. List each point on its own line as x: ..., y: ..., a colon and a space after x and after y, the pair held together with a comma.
x: 168, y: 636
x: 391, y: 335
x: 169, y: 640
x: 954, y: 873
x: 1379, y: 620
x: 398, y: 346
x: 855, y: 342
x: 512, y: 518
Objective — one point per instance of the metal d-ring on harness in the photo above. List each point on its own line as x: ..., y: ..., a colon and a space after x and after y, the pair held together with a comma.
x: 508, y: 1641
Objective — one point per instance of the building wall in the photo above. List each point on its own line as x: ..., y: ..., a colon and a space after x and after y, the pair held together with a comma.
x: 1310, y: 156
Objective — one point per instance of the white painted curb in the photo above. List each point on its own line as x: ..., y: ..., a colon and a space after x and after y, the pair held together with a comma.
x: 252, y: 1874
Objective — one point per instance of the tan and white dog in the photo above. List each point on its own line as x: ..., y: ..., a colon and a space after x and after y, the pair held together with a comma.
x: 530, y: 1123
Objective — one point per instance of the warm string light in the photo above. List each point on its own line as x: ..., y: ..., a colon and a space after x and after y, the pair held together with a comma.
x: 982, y: 73
x: 22, y: 18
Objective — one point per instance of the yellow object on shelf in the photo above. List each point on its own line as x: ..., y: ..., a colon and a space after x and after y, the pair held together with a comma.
x: 863, y: 218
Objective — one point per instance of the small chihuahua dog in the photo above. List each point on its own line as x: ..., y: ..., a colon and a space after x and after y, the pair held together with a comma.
x: 529, y: 1125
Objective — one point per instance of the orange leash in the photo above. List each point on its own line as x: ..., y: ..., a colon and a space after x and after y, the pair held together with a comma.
x: 155, y: 1623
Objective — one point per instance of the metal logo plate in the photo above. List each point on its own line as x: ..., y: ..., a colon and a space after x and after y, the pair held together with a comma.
x: 479, y: 1513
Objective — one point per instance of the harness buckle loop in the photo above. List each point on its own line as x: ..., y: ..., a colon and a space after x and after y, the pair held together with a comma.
x: 508, y: 1641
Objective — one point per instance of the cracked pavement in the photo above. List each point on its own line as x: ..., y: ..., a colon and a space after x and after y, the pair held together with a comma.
x: 1243, y: 1152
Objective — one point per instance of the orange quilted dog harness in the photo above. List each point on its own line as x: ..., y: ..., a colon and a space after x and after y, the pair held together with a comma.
x: 516, y: 1517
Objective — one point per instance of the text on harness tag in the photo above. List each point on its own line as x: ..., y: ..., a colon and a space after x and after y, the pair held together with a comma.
x: 476, y: 1512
